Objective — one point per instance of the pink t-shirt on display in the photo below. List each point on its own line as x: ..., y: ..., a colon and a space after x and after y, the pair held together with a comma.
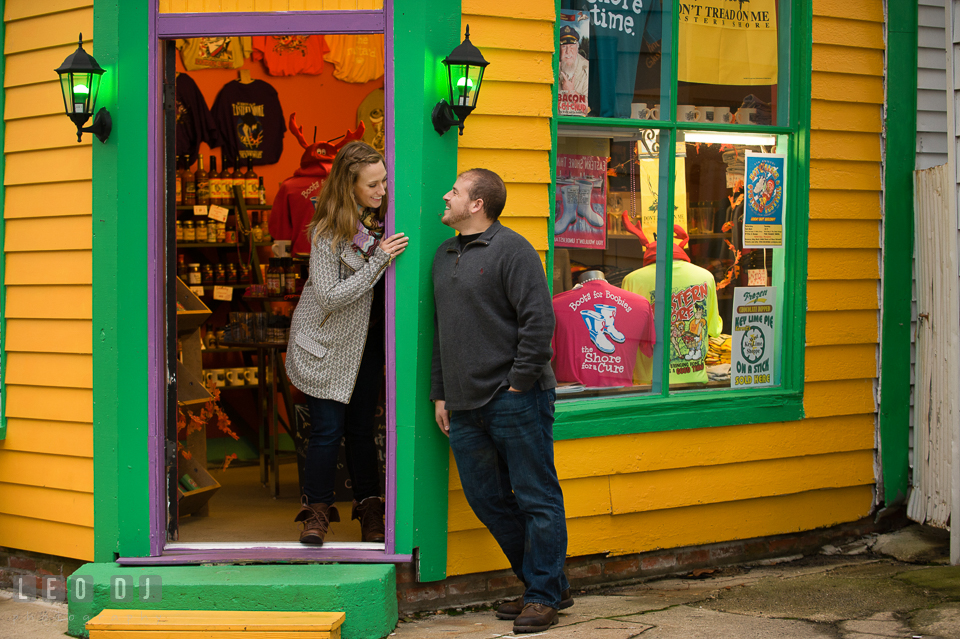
x: 600, y: 329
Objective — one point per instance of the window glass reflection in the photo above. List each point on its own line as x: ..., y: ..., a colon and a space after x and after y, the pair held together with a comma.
x: 610, y: 58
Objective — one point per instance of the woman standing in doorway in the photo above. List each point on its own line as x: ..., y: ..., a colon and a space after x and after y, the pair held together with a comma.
x: 336, y: 351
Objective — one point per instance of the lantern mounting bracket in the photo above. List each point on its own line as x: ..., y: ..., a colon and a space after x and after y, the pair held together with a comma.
x: 101, y: 127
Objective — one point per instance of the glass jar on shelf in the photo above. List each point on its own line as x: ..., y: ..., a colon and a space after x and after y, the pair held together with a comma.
x: 194, y: 277
x: 189, y: 231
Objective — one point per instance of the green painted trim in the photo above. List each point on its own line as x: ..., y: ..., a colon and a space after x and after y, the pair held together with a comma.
x: 695, y: 409
x: 366, y: 593
x: 3, y: 227
x: 898, y: 233
x: 120, y: 268
x: 425, y: 31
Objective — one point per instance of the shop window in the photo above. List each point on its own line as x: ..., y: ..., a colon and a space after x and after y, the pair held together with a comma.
x: 722, y: 193
x: 254, y: 131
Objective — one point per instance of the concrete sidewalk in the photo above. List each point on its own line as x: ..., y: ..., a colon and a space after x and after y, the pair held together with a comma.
x: 894, y: 585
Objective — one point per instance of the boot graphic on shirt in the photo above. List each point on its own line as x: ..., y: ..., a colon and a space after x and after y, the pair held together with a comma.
x: 595, y: 325
x: 608, y: 312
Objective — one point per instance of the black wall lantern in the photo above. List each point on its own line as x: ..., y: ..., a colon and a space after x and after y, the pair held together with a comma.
x: 80, y: 83
x: 465, y: 66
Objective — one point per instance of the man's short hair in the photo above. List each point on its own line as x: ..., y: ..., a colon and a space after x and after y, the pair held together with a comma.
x: 487, y: 186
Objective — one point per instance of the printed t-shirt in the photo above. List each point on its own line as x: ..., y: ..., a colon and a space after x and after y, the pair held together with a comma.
x: 219, y: 52
x: 616, y: 37
x: 371, y: 113
x: 290, y: 55
x: 293, y: 209
x: 357, y: 58
x: 250, y: 121
x: 600, y: 329
x: 694, y: 318
x: 194, y: 122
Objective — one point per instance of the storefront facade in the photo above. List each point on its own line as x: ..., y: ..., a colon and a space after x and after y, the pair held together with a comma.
x: 84, y: 346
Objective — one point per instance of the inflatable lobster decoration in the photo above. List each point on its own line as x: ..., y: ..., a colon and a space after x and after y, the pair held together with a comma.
x: 650, y: 248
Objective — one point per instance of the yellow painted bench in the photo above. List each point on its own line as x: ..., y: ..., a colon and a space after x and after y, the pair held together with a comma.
x: 214, y: 624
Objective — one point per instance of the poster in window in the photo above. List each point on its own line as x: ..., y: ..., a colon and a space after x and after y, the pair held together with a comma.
x: 764, y: 194
x: 753, y: 334
x: 574, y: 62
x: 581, y: 202
x: 729, y: 42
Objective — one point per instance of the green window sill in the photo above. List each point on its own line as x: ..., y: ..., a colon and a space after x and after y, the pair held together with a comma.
x: 629, y: 415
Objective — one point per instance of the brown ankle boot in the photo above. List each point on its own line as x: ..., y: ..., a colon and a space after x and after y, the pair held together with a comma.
x: 370, y: 513
x: 316, y: 520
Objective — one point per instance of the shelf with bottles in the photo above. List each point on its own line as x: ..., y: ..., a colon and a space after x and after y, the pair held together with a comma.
x: 202, y: 245
x: 223, y: 188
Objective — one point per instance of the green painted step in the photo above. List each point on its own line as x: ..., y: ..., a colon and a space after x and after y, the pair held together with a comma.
x: 366, y: 593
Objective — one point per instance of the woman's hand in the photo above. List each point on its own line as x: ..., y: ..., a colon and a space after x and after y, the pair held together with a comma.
x: 395, y: 244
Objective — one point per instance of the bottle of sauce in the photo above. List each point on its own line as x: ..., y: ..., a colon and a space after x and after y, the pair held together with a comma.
x: 179, y: 180
x: 230, y: 229
x: 189, y: 186
x: 261, y: 192
x: 292, y: 275
x: 273, y: 282
x: 238, y: 180
x: 182, y: 269
x: 216, y: 184
x: 202, y: 179
x: 252, y: 181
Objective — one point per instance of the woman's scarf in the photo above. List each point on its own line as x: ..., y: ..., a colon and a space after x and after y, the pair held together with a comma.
x: 368, y: 236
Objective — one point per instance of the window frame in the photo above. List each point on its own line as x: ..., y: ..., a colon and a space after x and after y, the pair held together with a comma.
x: 663, y: 410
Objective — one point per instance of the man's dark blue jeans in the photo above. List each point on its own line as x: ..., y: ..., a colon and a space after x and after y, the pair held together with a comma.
x: 504, y: 453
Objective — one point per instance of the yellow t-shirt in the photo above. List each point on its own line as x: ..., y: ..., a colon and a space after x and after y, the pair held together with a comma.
x: 728, y: 42
x: 694, y: 317
x: 357, y: 58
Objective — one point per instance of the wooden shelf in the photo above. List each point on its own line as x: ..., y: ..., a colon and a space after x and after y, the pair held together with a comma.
x: 193, y: 245
x: 249, y: 207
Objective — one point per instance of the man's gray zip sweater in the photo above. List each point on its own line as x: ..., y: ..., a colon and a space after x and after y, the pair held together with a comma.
x: 494, y: 319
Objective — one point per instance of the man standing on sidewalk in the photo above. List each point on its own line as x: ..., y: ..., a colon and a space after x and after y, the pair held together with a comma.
x: 493, y: 390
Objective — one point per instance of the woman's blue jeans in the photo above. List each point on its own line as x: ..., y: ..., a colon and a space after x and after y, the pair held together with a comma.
x: 504, y: 453
x: 331, y: 421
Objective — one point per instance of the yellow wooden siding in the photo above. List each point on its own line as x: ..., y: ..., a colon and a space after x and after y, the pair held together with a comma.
x: 634, y: 493
x: 46, y: 461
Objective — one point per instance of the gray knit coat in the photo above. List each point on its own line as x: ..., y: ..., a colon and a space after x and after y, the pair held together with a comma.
x: 329, y: 327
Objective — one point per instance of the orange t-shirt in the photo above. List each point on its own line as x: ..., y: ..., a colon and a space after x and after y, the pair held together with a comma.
x: 290, y: 55
x: 358, y: 58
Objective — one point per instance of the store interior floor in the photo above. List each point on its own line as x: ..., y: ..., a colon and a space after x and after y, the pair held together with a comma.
x: 245, y: 510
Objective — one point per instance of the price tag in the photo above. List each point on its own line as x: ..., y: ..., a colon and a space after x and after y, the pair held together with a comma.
x: 218, y: 213
x: 200, y: 210
x: 197, y: 290
x: 757, y: 277
x: 224, y: 293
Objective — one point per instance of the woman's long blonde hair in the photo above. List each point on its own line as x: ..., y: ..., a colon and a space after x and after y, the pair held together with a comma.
x: 337, y: 210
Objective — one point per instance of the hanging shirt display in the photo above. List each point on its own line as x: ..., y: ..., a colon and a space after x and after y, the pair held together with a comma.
x: 358, y: 58
x: 616, y: 37
x: 694, y: 318
x: 371, y: 114
x: 220, y: 52
x: 725, y: 42
x: 600, y: 329
x: 290, y: 55
x: 250, y: 121
x: 194, y: 121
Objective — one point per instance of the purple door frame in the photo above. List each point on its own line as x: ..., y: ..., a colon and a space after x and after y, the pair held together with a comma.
x: 185, y: 25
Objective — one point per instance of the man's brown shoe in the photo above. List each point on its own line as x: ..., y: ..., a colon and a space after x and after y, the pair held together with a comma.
x: 370, y: 513
x: 316, y: 520
x: 535, y: 618
x: 511, y: 608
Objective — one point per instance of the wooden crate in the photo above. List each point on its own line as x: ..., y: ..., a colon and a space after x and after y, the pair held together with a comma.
x: 214, y: 624
x: 194, y: 312
x: 189, y: 502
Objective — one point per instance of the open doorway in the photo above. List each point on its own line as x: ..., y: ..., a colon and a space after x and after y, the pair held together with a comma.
x: 240, y: 189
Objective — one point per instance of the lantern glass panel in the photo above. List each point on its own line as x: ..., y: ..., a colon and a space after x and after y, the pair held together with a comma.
x: 466, y: 83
